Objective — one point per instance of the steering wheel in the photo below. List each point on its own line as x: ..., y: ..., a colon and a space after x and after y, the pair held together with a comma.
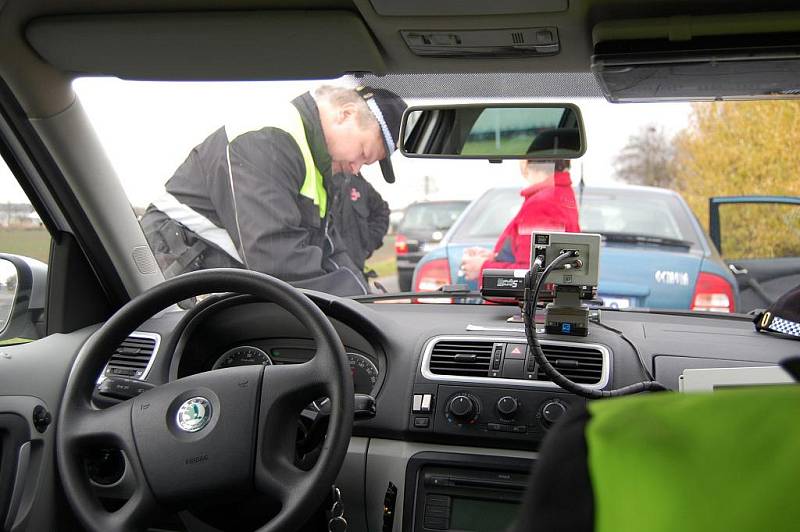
x: 223, y: 431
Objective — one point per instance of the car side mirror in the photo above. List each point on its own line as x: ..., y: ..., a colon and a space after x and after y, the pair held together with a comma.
x: 23, y: 283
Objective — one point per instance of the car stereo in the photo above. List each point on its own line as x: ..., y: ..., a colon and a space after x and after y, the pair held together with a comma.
x: 452, y: 492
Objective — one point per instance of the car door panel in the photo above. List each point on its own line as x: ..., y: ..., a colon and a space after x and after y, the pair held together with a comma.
x: 762, y: 279
x: 32, y: 375
x: 761, y: 282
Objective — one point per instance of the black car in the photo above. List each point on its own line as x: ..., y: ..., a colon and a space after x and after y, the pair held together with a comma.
x: 422, y: 228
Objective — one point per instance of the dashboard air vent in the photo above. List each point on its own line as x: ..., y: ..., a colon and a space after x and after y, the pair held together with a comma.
x: 132, y: 357
x: 462, y: 357
x: 583, y: 365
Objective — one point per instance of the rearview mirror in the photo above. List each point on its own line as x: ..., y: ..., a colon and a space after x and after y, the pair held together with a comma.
x: 494, y: 132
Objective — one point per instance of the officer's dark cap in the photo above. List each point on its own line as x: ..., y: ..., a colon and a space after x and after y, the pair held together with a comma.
x: 388, y: 109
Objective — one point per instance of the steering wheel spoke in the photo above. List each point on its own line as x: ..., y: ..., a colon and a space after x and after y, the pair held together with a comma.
x: 294, y: 385
x: 136, y: 513
x: 110, y: 428
x: 285, y: 391
x: 278, y: 478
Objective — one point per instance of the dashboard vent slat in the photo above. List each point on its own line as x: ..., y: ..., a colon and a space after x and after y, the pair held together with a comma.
x: 583, y: 365
x: 132, y: 357
x: 461, y: 358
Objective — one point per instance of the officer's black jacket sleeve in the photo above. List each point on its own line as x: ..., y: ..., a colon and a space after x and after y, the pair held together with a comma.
x: 267, y: 172
x: 378, y: 217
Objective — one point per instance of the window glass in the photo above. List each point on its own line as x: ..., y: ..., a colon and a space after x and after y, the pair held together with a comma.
x: 25, y: 243
x: 21, y: 228
x: 432, y: 216
x: 490, y: 215
x: 253, y: 175
x: 651, y: 215
x: 760, y: 231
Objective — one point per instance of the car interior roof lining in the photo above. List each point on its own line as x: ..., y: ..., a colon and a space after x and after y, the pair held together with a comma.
x: 44, y: 44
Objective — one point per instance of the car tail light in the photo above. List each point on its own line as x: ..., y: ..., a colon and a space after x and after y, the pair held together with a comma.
x: 712, y: 293
x: 432, y: 275
x: 400, y: 245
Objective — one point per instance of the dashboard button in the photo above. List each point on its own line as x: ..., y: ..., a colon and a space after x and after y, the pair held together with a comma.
x: 437, y: 523
x: 516, y: 351
x: 425, y: 406
x: 416, y: 403
x: 437, y: 500
x: 497, y: 357
x: 422, y: 422
x: 437, y: 511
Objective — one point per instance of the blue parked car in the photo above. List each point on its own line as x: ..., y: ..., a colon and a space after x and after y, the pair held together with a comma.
x: 655, y: 253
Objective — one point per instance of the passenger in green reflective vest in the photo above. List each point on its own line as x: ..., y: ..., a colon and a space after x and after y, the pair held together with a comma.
x: 258, y: 194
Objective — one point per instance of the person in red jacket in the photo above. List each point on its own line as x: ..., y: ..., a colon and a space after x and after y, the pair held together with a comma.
x: 549, y: 206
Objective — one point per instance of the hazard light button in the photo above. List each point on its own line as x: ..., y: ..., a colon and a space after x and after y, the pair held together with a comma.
x: 516, y: 351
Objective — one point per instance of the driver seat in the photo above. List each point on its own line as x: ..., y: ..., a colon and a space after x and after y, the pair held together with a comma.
x: 668, y: 462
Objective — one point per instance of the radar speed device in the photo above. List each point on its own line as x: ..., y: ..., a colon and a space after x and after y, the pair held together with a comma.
x: 582, y: 270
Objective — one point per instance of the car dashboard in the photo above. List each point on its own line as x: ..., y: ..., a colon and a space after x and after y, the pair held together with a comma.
x: 462, y: 406
x: 461, y: 409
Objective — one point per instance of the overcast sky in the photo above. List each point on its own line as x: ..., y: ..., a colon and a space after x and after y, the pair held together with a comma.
x: 148, y: 128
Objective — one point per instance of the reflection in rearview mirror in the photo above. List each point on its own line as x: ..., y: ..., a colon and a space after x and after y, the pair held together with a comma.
x: 8, y: 289
x: 495, y: 132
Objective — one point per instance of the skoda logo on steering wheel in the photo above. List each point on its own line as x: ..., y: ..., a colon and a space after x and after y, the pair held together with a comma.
x: 194, y: 414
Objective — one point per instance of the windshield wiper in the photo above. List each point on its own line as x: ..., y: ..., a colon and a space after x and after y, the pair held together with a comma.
x: 632, y: 238
x: 445, y: 291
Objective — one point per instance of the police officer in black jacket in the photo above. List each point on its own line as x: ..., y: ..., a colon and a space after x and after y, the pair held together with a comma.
x: 259, y: 194
x: 361, y: 216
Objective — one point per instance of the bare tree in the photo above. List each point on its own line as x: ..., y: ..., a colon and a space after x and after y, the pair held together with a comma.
x: 647, y: 159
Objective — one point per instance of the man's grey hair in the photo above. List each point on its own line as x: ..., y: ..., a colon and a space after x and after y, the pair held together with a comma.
x: 339, y: 96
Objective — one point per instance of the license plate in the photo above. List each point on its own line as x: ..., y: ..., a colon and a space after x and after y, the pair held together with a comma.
x: 616, y: 302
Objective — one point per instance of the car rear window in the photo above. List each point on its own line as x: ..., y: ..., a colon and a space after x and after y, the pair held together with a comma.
x: 437, y: 216
x: 656, y: 215
x: 636, y: 213
x: 489, y: 216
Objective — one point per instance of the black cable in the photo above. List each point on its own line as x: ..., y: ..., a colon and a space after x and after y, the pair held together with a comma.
x: 529, y: 313
x: 642, y: 365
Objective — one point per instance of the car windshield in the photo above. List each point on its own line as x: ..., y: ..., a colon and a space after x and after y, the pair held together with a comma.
x: 287, y: 178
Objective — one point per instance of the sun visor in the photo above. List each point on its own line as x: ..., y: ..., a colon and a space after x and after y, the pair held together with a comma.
x: 698, y: 58
x: 253, y: 45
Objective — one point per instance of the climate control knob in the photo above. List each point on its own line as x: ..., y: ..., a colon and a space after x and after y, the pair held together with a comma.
x: 462, y: 407
x: 552, y: 411
x: 507, y: 406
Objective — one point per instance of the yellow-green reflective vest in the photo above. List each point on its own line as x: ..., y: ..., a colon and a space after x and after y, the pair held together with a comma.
x: 287, y: 118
